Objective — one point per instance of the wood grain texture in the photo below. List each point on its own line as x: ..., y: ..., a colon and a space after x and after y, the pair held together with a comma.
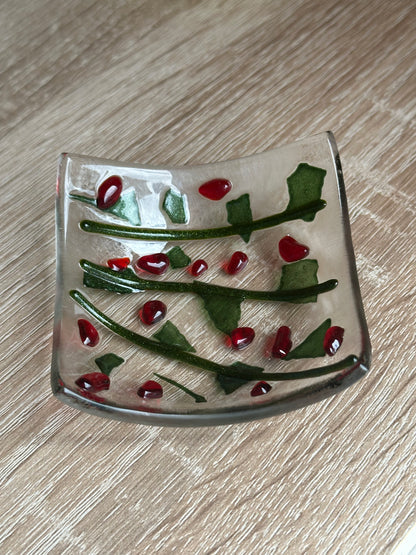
x: 184, y: 82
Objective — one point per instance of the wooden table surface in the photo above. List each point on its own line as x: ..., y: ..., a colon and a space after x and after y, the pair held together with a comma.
x: 178, y: 82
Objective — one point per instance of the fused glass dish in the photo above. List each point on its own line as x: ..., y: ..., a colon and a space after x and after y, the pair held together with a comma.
x: 209, y: 294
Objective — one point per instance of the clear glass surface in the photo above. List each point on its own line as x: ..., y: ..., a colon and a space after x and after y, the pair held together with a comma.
x: 263, y: 180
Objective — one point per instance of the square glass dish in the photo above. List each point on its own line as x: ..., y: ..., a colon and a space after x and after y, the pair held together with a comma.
x: 209, y: 294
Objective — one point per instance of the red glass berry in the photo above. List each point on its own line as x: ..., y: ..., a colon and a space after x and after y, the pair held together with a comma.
x: 88, y: 334
x: 199, y: 267
x: 93, y: 382
x: 152, y: 312
x: 118, y: 264
x: 241, y: 337
x: 333, y: 340
x: 216, y: 189
x: 153, y: 263
x: 150, y: 390
x: 260, y: 389
x: 282, y: 344
x: 237, y: 263
x: 290, y: 250
x: 109, y: 192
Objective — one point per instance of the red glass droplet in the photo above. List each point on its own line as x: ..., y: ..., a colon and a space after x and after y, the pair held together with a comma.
x: 216, y: 189
x: 237, y: 263
x: 199, y: 267
x: 150, y: 390
x: 109, y: 192
x: 93, y: 382
x: 88, y: 334
x: 118, y: 264
x: 241, y: 337
x: 152, y: 312
x: 333, y: 340
x: 153, y: 263
x: 260, y: 389
x: 282, y: 344
x: 290, y: 250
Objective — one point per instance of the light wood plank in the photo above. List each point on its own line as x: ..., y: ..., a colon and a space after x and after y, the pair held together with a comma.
x: 185, y: 82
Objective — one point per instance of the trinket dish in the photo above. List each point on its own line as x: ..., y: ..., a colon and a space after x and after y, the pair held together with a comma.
x: 209, y: 294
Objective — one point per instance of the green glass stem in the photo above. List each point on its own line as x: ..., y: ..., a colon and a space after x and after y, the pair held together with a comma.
x: 135, y: 284
x: 198, y: 398
x: 149, y: 234
x: 186, y: 357
x: 82, y: 198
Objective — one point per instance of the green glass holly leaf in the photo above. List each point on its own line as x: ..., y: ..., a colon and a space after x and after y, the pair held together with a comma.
x: 170, y: 335
x: 126, y: 208
x: 108, y: 362
x: 305, y: 185
x: 177, y: 258
x: 174, y: 206
x: 198, y: 398
x: 298, y: 275
x: 95, y: 282
x: 239, y: 212
x: 225, y: 312
x: 230, y: 384
x: 313, y: 346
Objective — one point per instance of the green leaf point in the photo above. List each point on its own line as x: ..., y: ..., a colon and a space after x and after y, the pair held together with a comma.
x: 303, y: 273
x: 174, y: 204
x: 230, y: 384
x: 313, y: 345
x: 177, y: 258
x: 239, y: 212
x: 170, y: 335
x: 224, y: 311
x: 198, y: 398
x: 305, y: 185
x: 108, y: 362
x: 126, y: 208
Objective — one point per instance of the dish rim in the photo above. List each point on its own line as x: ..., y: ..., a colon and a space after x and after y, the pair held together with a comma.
x: 306, y: 396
